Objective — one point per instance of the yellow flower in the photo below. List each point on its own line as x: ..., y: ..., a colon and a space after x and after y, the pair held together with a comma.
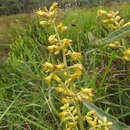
x: 87, y: 93
x: 40, y: 12
x: 106, y: 123
x: 52, y: 39
x: 65, y: 118
x: 111, y: 26
x: 92, y: 112
x: 67, y: 99
x: 105, y: 21
x: 43, y: 14
x: 115, y: 44
x: 127, y: 52
x: 65, y: 106
x: 101, y: 12
x: 55, y: 49
x: 122, y: 22
x: 91, y: 121
x: 48, y: 78
x: 57, y: 78
x: 65, y: 91
x: 66, y: 42
x: 52, y: 14
x: 53, y: 6
x: 65, y: 73
x: 45, y: 23
x: 61, y: 28
x: 72, y: 124
x: 64, y: 113
x: 77, y: 66
x: 77, y: 74
x: 127, y: 24
x: 126, y: 58
x: 48, y: 66
x: 60, y: 66
x: 76, y: 55
x: 117, y: 18
x: 109, y: 15
x: 114, y: 13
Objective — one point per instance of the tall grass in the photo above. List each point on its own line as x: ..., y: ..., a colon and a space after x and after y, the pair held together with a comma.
x: 27, y: 102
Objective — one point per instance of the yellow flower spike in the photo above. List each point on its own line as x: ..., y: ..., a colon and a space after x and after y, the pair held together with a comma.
x: 61, y: 28
x: 127, y: 52
x: 66, y: 42
x: 76, y: 55
x: 52, y: 39
x: 48, y: 78
x: 53, y: 6
x: 48, y: 66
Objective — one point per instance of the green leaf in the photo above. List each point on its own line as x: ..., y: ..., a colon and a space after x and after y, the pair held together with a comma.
x: 117, y: 125
x: 116, y: 35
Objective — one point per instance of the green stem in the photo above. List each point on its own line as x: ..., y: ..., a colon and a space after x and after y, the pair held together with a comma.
x: 63, y: 52
x: 80, y: 117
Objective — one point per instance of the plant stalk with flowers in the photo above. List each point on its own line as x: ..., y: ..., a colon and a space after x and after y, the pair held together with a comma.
x: 111, y: 20
x: 66, y: 73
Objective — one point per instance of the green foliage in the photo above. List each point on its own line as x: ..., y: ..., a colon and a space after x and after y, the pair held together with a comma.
x: 115, y: 35
x: 26, y: 100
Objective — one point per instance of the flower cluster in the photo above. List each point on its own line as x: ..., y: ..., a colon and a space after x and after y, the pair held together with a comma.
x: 64, y: 75
x: 95, y: 123
x: 112, y: 21
x: 127, y: 54
x: 48, y: 14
